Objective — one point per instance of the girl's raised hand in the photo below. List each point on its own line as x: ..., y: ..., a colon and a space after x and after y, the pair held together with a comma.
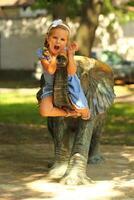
x: 73, y: 47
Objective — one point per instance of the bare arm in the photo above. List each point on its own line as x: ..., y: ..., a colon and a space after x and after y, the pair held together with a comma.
x: 49, y: 66
x: 72, y: 68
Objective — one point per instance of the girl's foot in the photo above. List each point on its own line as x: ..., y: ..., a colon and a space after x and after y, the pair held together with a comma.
x: 72, y: 113
x: 86, y: 116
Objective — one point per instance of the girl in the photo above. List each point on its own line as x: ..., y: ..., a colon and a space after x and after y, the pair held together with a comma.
x: 57, y: 42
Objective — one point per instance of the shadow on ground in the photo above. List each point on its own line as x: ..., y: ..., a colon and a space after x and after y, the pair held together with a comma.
x: 24, y: 165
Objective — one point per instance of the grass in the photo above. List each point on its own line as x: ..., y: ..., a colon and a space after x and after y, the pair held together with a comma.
x: 120, y: 118
x: 119, y: 126
x: 19, y: 84
x: 20, y: 107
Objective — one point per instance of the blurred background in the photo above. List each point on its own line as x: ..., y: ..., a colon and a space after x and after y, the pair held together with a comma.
x: 104, y: 30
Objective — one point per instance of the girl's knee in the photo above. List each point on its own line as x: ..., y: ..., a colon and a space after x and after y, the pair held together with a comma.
x: 45, y: 109
x: 45, y: 112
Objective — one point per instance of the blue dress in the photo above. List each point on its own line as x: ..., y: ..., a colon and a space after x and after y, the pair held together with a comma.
x: 76, y: 94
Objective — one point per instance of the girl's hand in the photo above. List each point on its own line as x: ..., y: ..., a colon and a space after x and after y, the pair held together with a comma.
x: 73, y: 47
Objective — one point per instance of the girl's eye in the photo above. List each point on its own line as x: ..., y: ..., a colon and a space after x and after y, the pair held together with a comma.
x: 62, y: 39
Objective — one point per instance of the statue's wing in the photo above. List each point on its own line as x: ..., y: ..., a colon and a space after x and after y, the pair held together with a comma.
x: 97, y: 81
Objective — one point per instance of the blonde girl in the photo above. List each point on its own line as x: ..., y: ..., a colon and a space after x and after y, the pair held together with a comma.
x: 57, y: 42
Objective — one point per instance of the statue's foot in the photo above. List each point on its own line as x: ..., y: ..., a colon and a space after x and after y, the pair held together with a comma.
x: 76, y: 179
x: 97, y: 159
x: 57, y: 170
x: 76, y: 172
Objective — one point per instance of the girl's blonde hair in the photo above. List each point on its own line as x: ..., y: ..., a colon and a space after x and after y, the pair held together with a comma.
x: 56, y: 24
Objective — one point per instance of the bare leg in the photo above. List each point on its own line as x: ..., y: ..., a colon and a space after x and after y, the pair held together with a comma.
x: 48, y: 110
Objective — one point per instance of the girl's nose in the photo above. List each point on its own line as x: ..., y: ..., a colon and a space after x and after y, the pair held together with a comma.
x: 58, y: 40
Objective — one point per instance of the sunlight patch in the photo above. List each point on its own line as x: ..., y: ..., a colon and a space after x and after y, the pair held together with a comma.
x: 97, y: 191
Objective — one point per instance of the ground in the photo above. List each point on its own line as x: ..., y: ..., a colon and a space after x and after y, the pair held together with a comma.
x: 24, y: 162
x: 26, y: 150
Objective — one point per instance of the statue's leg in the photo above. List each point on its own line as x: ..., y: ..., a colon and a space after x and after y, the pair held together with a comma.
x: 57, y: 127
x: 76, y: 171
x: 95, y: 156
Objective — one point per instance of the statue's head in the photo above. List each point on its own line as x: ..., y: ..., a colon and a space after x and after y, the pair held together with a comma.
x: 62, y: 60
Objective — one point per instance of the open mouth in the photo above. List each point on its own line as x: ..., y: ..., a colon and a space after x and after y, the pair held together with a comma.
x: 56, y: 47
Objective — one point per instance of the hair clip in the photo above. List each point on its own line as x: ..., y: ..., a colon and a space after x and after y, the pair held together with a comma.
x: 58, y: 22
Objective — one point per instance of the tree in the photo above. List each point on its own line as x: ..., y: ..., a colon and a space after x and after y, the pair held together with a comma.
x: 86, y: 10
x: 87, y: 13
x: 89, y: 22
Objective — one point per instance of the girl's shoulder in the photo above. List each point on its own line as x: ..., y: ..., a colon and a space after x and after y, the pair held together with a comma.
x: 43, y: 53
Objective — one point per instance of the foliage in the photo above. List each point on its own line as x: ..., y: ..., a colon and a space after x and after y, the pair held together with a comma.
x: 121, y: 11
x: 39, y: 4
x: 73, y: 8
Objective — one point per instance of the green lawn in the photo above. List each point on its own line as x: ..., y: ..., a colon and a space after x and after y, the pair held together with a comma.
x: 120, y: 118
x: 20, y: 107
x: 119, y: 127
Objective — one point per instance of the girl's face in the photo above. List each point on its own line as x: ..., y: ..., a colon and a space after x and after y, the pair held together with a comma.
x: 57, y: 40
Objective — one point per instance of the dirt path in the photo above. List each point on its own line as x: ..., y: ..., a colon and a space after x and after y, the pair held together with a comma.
x: 23, y: 168
x: 24, y: 161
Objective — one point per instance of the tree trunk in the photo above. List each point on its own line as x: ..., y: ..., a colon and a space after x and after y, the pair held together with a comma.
x: 89, y: 22
x: 59, y: 11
